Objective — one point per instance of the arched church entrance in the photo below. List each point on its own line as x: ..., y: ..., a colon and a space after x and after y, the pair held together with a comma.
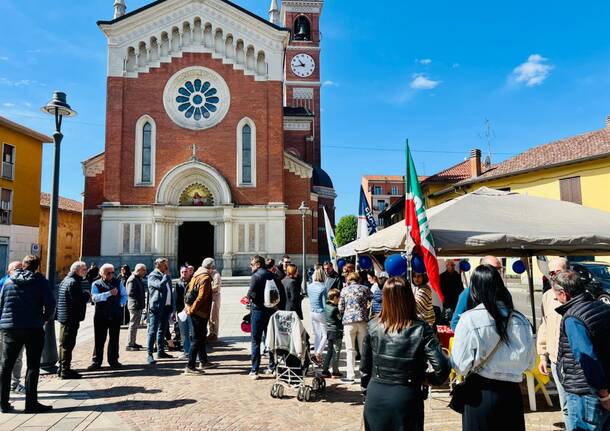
x: 195, y: 242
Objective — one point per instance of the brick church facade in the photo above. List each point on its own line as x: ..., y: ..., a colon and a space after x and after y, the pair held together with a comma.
x: 212, y: 136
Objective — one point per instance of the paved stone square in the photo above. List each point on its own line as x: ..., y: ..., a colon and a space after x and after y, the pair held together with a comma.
x: 141, y: 397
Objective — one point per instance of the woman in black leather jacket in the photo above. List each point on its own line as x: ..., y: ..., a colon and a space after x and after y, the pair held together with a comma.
x: 397, y: 350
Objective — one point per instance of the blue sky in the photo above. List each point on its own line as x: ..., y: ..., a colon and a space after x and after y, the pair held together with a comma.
x: 428, y: 71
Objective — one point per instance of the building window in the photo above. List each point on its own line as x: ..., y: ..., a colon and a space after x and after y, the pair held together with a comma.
x: 570, y: 190
x: 377, y: 190
x: 146, y: 149
x: 394, y: 190
x: 146, y: 132
x: 302, y: 28
x: 8, y: 162
x: 6, y: 206
x: 381, y: 205
x: 246, y: 153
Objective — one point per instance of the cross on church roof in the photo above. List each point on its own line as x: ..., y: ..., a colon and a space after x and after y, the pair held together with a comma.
x: 194, y: 149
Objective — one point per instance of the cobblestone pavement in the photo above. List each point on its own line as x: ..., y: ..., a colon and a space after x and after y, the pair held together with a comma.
x: 160, y: 397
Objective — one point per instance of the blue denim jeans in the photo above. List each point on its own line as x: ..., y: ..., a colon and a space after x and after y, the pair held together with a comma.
x: 259, y: 318
x: 585, y: 413
x: 185, y: 334
x: 560, y: 392
x: 157, y: 324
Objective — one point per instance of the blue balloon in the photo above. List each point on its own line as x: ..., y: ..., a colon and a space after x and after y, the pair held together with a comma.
x: 519, y: 267
x: 417, y: 264
x: 395, y: 265
x: 341, y: 263
x: 464, y: 266
x: 365, y: 262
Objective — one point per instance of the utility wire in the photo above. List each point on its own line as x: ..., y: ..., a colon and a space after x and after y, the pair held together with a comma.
x: 360, y: 148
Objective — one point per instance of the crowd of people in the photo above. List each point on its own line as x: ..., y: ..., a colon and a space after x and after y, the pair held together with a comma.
x: 387, y: 324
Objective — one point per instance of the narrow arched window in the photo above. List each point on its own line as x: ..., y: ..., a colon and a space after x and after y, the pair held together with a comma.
x: 246, y: 153
x: 146, y: 152
x: 246, y: 149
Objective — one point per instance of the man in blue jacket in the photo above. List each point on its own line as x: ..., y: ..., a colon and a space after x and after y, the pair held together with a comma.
x: 109, y: 296
x: 160, y: 307
x: 16, y: 385
x: 26, y: 303
x: 584, y: 353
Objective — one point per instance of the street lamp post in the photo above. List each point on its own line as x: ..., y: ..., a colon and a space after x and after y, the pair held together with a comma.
x: 59, y: 108
x: 303, y: 210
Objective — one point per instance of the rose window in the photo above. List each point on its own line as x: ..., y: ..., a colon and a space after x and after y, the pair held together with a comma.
x: 197, y: 99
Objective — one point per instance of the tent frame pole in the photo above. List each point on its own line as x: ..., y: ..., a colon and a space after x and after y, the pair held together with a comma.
x: 530, y: 280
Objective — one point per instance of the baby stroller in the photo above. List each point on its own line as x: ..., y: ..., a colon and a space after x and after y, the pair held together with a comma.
x: 289, y: 342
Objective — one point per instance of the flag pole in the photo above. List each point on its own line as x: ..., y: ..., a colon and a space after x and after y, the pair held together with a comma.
x: 407, y: 248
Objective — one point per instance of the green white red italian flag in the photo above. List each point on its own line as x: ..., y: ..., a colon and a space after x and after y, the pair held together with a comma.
x: 417, y: 225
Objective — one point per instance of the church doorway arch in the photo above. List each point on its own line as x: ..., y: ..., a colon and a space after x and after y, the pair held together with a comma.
x: 195, y: 242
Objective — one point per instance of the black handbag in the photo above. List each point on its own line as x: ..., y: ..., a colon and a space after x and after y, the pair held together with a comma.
x: 465, y: 392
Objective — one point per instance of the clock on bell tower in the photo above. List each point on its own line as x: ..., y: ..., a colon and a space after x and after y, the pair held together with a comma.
x: 302, y: 67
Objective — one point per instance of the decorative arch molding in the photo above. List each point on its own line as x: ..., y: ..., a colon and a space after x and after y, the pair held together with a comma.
x: 180, y: 177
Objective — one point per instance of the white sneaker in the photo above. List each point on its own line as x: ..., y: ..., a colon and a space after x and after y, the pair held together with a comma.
x: 253, y: 375
x: 269, y: 372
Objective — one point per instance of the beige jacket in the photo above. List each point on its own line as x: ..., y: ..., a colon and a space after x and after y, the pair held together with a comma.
x: 548, y: 333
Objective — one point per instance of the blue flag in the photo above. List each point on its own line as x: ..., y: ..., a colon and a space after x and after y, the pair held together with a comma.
x: 366, y: 221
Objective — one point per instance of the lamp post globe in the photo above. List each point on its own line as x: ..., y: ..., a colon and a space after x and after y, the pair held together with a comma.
x: 58, y: 107
x: 303, y: 209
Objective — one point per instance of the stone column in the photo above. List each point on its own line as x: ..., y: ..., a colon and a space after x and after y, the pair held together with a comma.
x: 227, y: 257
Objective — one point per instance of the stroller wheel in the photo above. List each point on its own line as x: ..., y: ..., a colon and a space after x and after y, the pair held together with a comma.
x: 301, y: 394
x: 274, y: 391
x: 318, y: 384
x: 280, y: 391
x: 307, y: 393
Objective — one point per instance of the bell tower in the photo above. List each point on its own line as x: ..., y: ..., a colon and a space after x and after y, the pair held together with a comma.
x: 302, y: 68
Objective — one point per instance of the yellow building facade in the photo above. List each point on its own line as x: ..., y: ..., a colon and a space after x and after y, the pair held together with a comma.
x: 69, y: 227
x: 575, y: 169
x: 20, y: 174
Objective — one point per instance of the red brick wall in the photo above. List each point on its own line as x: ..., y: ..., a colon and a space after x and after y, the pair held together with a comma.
x: 297, y: 191
x: 129, y: 99
x: 92, y: 223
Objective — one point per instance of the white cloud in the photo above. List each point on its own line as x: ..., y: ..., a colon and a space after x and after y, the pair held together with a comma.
x: 8, y: 105
x: 533, y: 72
x: 3, y: 58
x: 425, y: 61
x: 20, y: 83
x: 422, y: 82
x: 28, y: 104
x: 329, y: 83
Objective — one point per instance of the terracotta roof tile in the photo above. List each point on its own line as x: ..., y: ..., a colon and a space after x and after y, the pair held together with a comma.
x: 569, y: 150
x: 384, y: 177
x: 453, y: 174
x: 64, y: 203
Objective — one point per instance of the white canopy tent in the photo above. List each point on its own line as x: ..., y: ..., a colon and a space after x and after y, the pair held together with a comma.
x: 489, y: 221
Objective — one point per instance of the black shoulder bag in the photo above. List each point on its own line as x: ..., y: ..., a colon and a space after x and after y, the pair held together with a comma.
x: 465, y: 391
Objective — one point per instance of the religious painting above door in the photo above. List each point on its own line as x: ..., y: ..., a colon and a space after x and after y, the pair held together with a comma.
x: 196, y: 195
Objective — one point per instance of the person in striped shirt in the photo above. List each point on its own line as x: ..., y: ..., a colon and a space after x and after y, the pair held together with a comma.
x: 423, y: 297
